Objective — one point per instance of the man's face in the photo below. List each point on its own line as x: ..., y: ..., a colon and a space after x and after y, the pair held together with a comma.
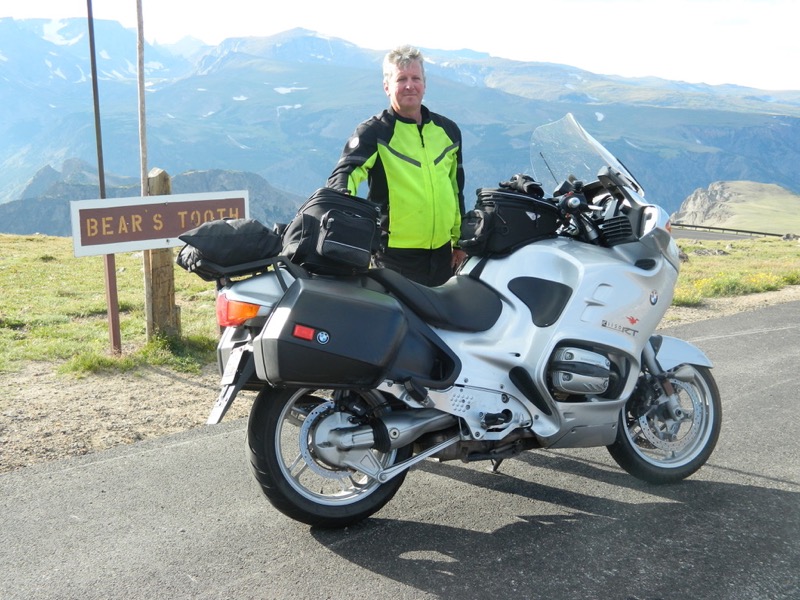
x: 405, y: 88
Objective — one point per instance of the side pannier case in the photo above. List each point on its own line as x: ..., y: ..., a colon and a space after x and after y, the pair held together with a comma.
x: 329, y: 333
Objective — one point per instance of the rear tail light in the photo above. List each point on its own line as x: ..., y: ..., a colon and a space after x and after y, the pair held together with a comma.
x: 232, y: 312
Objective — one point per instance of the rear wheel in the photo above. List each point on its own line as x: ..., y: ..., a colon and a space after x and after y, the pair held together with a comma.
x: 668, y: 441
x: 301, y: 475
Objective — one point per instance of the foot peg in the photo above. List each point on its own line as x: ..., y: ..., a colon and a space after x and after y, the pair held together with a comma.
x: 415, y: 390
x: 494, y: 419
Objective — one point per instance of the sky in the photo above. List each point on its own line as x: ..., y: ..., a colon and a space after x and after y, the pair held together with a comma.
x: 745, y: 42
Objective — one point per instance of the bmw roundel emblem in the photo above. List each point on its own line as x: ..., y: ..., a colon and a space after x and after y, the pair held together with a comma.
x: 323, y: 337
x: 654, y: 297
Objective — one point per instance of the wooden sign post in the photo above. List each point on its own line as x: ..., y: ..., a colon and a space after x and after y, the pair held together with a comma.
x: 163, y: 316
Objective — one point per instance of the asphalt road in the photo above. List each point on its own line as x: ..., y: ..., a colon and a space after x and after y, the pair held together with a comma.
x: 181, y: 517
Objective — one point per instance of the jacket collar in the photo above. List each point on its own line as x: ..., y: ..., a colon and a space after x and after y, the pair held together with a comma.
x: 426, y: 116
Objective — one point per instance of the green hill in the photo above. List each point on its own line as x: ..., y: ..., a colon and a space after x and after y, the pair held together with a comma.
x: 744, y: 205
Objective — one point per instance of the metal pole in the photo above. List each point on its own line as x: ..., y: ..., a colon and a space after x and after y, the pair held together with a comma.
x: 109, y: 262
x: 142, y: 128
x: 147, y: 257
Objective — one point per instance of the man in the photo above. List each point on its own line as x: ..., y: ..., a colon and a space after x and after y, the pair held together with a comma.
x: 411, y: 158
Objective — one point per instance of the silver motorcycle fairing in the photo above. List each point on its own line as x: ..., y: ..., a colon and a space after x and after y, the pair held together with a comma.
x: 264, y: 289
x: 594, y: 315
x: 614, y: 306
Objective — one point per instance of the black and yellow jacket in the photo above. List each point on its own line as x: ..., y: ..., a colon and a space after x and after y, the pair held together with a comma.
x: 414, y: 173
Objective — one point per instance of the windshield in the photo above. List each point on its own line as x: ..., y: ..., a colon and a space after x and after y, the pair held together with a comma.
x: 563, y: 149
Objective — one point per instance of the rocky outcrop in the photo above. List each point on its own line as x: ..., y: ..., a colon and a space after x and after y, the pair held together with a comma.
x: 706, y: 206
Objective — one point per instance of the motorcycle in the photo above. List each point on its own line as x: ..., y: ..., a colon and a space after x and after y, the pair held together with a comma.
x: 545, y: 338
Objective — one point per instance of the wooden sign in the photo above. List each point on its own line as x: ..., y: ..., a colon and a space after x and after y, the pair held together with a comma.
x: 116, y: 225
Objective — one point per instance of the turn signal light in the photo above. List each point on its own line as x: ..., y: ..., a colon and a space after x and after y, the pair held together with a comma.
x: 231, y: 313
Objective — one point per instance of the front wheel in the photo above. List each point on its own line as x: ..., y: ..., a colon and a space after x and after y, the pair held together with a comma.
x: 666, y: 442
x: 300, y: 473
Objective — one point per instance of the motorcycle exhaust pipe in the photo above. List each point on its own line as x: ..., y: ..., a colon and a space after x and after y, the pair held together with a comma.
x: 395, y: 430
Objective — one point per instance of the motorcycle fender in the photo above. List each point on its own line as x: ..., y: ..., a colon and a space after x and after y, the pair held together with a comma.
x: 238, y: 371
x: 674, y: 351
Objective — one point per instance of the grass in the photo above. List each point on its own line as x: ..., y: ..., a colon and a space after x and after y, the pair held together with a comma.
x: 718, y: 269
x: 53, y: 305
x: 53, y: 308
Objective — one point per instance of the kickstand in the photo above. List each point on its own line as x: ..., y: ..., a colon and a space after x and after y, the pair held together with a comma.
x: 496, y: 462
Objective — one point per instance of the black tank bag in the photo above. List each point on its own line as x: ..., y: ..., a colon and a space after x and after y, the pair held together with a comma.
x: 503, y: 221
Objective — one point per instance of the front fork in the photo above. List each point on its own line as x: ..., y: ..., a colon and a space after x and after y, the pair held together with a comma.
x: 668, y: 403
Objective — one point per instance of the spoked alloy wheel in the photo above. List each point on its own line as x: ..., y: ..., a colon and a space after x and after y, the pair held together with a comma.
x: 669, y: 443
x: 301, y: 473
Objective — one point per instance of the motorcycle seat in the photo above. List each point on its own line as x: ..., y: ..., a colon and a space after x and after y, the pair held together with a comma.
x: 462, y: 303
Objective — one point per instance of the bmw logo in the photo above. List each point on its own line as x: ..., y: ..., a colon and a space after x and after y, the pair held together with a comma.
x: 323, y: 337
x: 654, y: 297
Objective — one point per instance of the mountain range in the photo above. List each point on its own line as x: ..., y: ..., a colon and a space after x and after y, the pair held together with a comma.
x: 271, y: 114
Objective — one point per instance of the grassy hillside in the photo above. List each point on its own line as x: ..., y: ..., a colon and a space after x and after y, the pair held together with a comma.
x: 743, y: 205
x: 763, y: 207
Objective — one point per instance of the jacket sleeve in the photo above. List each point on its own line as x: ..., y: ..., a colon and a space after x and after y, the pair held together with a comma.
x: 356, y: 160
x: 457, y: 177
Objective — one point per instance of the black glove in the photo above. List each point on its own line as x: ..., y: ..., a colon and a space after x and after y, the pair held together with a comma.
x: 188, y: 258
x: 524, y: 184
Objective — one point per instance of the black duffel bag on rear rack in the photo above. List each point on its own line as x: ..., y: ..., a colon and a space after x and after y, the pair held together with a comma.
x: 333, y: 233
x: 226, y: 247
x: 504, y: 220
